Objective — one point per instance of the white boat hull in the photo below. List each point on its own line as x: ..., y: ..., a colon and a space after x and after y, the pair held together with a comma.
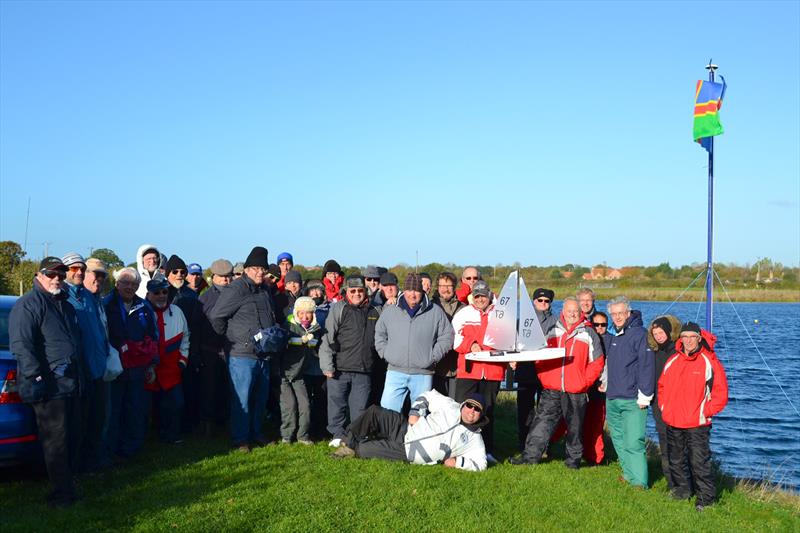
x: 510, y: 357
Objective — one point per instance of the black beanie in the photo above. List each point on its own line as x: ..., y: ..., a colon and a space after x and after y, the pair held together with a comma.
x: 691, y: 326
x: 174, y: 263
x: 331, y: 266
x: 663, y: 323
x: 257, y: 258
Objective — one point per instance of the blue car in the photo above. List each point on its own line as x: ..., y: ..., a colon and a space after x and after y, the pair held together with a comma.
x: 18, y: 437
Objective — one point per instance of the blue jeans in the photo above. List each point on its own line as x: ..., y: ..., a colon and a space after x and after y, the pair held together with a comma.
x: 249, y: 391
x: 398, y: 384
x: 128, y: 419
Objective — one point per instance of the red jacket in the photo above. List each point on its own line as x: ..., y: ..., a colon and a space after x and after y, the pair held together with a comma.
x: 470, y: 324
x: 173, y: 347
x: 333, y: 291
x: 463, y: 293
x: 583, y: 362
x: 693, y: 387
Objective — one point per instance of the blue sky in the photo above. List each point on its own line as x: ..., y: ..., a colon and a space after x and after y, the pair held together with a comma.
x: 544, y: 133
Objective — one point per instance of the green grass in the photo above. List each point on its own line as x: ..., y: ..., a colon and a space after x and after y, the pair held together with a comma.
x: 203, y: 486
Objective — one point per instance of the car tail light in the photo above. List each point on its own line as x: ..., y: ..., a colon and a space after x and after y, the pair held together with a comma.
x: 8, y: 393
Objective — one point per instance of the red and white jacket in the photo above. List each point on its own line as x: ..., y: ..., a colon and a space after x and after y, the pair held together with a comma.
x: 583, y: 361
x: 693, y: 387
x: 173, y: 347
x: 470, y: 324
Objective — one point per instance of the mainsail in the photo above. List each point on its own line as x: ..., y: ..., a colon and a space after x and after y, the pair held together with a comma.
x: 529, y: 331
x: 501, y: 331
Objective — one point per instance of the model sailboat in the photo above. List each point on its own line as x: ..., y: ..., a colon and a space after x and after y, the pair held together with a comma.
x: 513, y: 329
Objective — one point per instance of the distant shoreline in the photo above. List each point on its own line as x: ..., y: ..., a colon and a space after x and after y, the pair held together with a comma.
x: 699, y: 295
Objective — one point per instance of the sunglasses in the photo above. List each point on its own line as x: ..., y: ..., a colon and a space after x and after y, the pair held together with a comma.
x: 100, y: 275
x: 473, y: 407
x: 179, y: 271
x: 160, y: 292
x: 600, y: 324
x: 543, y: 300
x: 472, y: 279
x: 273, y: 278
x: 51, y: 274
x: 76, y: 268
x: 372, y: 279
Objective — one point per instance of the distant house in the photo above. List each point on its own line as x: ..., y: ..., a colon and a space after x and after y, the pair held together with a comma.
x: 602, y: 273
x: 567, y: 275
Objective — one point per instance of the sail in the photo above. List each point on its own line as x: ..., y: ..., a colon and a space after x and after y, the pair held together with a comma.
x: 530, y: 335
x: 501, y: 329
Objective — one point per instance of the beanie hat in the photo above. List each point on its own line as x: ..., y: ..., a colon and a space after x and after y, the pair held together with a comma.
x: 690, y: 326
x: 544, y: 293
x: 331, y: 266
x: 257, y: 258
x: 425, y: 275
x: 663, y: 323
x: 293, y: 276
x: 387, y: 278
x: 476, y: 399
x: 304, y: 303
x: 72, y: 258
x: 354, y: 281
x: 287, y: 256
x: 481, y: 288
x: 313, y: 284
x: 222, y: 267
x: 174, y: 263
x: 413, y: 283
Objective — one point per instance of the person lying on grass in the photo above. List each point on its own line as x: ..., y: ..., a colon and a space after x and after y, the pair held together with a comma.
x: 438, y: 430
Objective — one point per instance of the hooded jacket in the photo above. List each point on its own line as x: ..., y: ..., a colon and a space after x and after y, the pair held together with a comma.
x: 439, y: 434
x: 141, y: 292
x: 469, y: 326
x: 630, y: 363
x: 693, y: 387
x: 413, y: 345
x: 301, y: 349
x: 662, y: 352
x: 583, y: 361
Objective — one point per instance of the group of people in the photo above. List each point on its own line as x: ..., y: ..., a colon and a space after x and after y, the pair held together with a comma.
x: 353, y: 359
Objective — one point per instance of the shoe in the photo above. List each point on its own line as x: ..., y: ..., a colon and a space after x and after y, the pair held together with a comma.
x: 491, y: 459
x: 343, y: 452
x: 261, y: 442
x: 335, y: 443
x: 286, y: 441
x: 572, y: 466
x: 520, y: 460
x: 700, y: 507
x: 242, y: 448
x: 678, y: 496
x: 305, y: 442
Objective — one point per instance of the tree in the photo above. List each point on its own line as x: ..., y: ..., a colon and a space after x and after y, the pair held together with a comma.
x: 11, y: 254
x: 108, y: 256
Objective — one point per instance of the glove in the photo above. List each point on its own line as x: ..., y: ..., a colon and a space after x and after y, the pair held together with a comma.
x: 60, y: 370
x: 307, y: 337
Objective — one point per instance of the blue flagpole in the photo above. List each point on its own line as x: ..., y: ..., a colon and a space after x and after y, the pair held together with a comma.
x: 710, y: 265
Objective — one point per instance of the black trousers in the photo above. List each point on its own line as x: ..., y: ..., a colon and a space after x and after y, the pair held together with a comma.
x: 318, y: 398
x: 58, y: 421
x: 444, y: 385
x: 691, y: 444
x: 489, y: 390
x: 378, y: 434
x: 93, y: 403
x: 663, y: 444
x: 526, y: 402
x: 553, y: 405
x: 214, y: 388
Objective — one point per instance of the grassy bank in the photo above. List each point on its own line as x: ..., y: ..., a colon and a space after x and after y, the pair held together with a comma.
x: 202, y: 486
x: 698, y: 295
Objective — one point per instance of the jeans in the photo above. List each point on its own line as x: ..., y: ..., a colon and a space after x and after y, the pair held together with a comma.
x: 249, y: 390
x: 346, y: 391
x: 398, y: 384
x: 128, y: 421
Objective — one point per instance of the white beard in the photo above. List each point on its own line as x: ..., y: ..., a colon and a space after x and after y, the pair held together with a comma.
x: 54, y: 292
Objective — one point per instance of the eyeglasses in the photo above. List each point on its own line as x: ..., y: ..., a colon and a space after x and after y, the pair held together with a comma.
x: 99, y: 275
x: 445, y: 286
x: 77, y: 268
x: 472, y: 279
x: 372, y: 279
x: 237, y: 275
x: 690, y: 336
x: 354, y: 290
x: 473, y: 407
x: 543, y: 300
x: 51, y: 274
x: 600, y: 324
x: 179, y: 271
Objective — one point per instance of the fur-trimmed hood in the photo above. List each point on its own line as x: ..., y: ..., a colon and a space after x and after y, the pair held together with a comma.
x: 674, y: 335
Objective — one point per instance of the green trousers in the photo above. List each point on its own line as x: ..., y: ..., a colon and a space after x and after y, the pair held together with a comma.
x: 627, y: 424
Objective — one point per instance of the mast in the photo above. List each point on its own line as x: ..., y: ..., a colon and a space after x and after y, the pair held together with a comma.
x: 710, y: 263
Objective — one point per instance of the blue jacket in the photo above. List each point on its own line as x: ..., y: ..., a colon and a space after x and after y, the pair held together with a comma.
x: 45, y: 339
x: 630, y: 363
x: 131, y: 328
x: 94, y: 341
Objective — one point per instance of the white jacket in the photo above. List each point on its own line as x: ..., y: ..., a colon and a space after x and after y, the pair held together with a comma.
x: 141, y: 292
x: 439, y: 435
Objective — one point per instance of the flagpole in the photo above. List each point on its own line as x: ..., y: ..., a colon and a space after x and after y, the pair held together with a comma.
x: 710, y: 264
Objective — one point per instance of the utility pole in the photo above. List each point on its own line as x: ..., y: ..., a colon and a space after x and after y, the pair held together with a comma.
x: 46, y: 245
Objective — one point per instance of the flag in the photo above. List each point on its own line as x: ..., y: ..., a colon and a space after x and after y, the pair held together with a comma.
x: 707, y: 101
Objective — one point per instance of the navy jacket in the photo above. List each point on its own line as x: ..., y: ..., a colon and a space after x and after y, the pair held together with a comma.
x: 630, y: 362
x: 45, y: 339
x: 135, y: 329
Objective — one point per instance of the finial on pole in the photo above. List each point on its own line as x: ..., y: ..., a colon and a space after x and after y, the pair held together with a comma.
x: 711, y: 66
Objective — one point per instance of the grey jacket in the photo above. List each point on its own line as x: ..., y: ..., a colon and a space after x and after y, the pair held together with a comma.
x: 413, y: 345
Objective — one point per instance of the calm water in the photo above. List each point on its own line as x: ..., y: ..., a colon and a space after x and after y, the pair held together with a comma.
x: 758, y: 433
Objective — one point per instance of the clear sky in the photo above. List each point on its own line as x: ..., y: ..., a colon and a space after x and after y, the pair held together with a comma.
x: 543, y: 133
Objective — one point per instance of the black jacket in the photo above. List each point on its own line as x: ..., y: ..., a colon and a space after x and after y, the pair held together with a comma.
x: 45, y: 339
x: 349, y: 341
x: 188, y: 302
x: 211, y: 342
x: 241, y: 311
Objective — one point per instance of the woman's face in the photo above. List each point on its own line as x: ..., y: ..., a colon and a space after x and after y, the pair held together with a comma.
x: 659, y: 335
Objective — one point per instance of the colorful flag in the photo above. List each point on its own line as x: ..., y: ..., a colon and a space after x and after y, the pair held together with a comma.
x: 707, y: 101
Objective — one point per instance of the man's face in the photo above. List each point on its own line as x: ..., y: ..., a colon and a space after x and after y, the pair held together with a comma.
x: 75, y: 273
x: 256, y: 274
x: 356, y: 295
x: 389, y: 291
x: 542, y: 303
x: 331, y: 276
x: 193, y: 280
x: 177, y: 277
x: 293, y: 287
x: 222, y: 281
x: 446, y: 289
x: 470, y: 276
x: 126, y: 285
x: 94, y: 280
x: 51, y: 280
x: 470, y: 414
x: 481, y: 302
x: 372, y: 283
x: 316, y: 292
x: 412, y: 297
x: 691, y: 341
x: 586, y: 302
x: 158, y: 298
x: 150, y: 261
x: 571, y: 312
x: 285, y: 265
x: 619, y: 314
x: 426, y: 285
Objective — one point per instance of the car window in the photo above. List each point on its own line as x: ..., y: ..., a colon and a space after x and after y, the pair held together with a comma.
x: 4, y: 328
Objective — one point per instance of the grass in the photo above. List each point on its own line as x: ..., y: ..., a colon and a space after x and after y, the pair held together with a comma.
x: 203, y: 486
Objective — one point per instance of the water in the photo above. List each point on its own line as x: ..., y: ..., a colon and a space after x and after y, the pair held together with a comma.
x: 757, y: 435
